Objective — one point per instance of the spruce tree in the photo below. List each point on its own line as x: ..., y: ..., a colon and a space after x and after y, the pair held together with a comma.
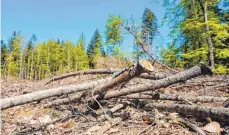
x: 94, y: 48
x: 149, y: 29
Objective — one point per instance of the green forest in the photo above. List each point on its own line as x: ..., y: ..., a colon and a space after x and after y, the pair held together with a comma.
x: 199, y: 33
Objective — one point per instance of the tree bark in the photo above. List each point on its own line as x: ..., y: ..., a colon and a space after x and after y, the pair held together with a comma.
x: 154, y: 75
x: 179, y: 77
x: 158, y: 96
x: 69, y: 99
x: 120, y: 77
x: 91, y: 71
x: 221, y: 114
x: 36, y: 96
x: 208, y: 38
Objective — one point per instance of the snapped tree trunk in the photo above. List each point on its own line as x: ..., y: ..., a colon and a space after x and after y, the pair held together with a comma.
x: 218, y: 113
x: 179, y: 77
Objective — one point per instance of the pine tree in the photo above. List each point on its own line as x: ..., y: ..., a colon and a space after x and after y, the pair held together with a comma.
x: 4, y: 53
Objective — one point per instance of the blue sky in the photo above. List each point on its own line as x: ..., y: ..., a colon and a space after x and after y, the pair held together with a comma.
x: 67, y: 19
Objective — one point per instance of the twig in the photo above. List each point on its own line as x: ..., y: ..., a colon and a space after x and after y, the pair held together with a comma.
x: 192, y: 126
x: 29, y: 131
x: 155, y: 119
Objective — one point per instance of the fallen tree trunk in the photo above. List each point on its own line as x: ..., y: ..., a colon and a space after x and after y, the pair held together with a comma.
x: 118, y: 77
x: 182, y: 76
x: 36, y: 96
x: 66, y: 100
x: 218, y: 113
x: 91, y: 71
x: 154, y: 75
x: 179, y: 77
x: 158, y: 96
x: 124, y: 75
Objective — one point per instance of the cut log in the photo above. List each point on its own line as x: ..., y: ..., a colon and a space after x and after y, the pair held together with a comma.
x: 221, y: 114
x: 124, y: 75
x: 36, y: 96
x: 91, y: 71
x: 179, y: 77
x: 158, y: 96
x: 118, y: 77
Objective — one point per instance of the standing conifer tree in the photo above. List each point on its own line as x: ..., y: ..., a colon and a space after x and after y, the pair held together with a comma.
x: 94, y: 48
x: 149, y: 29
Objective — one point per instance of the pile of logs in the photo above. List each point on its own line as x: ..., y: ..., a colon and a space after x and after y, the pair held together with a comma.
x: 104, y: 89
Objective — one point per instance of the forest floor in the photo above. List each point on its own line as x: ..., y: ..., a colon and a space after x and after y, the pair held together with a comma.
x: 34, y: 118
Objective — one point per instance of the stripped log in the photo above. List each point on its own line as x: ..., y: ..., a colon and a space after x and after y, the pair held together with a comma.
x: 158, y: 96
x: 221, y: 114
x: 91, y: 71
x: 36, y: 96
x: 179, y: 77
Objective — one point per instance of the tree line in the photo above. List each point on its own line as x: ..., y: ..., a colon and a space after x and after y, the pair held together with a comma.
x: 199, y: 33
x: 37, y: 61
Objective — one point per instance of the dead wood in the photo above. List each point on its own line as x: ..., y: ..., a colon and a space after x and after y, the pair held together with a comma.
x: 83, y: 72
x: 118, y: 77
x: 122, y: 76
x: 193, y: 127
x: 154, y: 75
x: 179, y: 77
x: 36, y: 96
x: 108, y: 125
x: 175, y: 97
x: 41, y: 127
x: 72, y: 98
x: 221, y: 114
x: 115, y: 108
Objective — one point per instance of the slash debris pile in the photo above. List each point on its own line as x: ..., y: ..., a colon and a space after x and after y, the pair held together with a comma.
x: 136, y: 100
